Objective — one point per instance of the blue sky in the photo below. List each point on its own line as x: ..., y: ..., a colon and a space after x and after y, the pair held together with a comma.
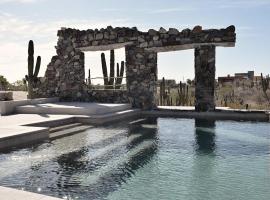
x: 22, y: 20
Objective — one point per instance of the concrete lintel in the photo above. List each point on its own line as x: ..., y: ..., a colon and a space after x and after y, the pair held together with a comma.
x: 105, y: 47
x: 189, y: 46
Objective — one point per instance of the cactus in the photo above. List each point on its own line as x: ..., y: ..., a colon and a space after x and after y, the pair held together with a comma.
x: 183, y: 97
x: 108, y: 81
x: 32, y: 77
x: 120, y: 74
x: 162, y: 92
x: 104, y: 69
x: 89, y: 77
x: 111, y: 78
x: 265, y: 86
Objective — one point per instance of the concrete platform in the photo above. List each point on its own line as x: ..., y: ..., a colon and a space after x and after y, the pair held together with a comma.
x: 22, y: 129
x: 72, y: 108
x: 13, y: 194
x: 8, y: 107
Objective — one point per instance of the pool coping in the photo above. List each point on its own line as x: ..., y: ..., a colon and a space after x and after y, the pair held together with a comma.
x: 218, y: 114
x: 15, y: 194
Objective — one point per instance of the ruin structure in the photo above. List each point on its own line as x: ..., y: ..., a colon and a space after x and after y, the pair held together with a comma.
x: 65, y: 73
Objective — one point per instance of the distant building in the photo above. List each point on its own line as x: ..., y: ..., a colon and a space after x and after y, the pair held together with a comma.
x: 249, y: 75
x: 238, y: 77
x: 225, y: 80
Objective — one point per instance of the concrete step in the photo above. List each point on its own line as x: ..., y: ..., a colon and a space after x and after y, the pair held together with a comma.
x: 72, y: 108
x: 66, y: 126
x: 68, y: 131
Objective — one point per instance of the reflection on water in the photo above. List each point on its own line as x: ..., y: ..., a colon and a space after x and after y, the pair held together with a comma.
x: 150, y: 159
x: 205, y: 135
x: 93, y: 170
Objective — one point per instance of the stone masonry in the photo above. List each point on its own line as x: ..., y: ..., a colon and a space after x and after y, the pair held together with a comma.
x: 65, y: 76
x: 205, y: 78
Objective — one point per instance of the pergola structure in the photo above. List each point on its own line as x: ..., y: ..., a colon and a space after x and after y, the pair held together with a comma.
x: 65, y: 74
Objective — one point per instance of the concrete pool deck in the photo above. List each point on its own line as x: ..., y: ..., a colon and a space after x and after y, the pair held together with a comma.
x: 13, y: 194
x: 72, y: 108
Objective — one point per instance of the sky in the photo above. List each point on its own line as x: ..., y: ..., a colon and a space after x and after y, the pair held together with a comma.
x: 39, y: 20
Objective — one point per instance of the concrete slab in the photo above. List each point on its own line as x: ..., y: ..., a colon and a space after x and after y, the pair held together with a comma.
x: 26, y: 119
x: 14, y: 132
x: 13, y: 194
x: 8, y: 107
x: 72, y: 108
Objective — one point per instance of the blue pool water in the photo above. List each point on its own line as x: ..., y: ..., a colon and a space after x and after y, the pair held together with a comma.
x: 163, y: 158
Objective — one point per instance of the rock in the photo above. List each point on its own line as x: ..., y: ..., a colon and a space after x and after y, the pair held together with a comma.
x: 173, y: 31
x: 186, y: 32
x: 231, y: 28
x: 143, y: 45
x: 197, y: 29
x: 156, y: 37
x: 99, y: 36
x: 162, y: 30
x: 152, y: 32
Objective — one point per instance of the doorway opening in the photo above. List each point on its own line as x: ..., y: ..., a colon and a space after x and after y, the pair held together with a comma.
x: 175, y: 85
x: 105, y: 70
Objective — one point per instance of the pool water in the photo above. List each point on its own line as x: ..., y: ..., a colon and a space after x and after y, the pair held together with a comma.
x: 162, y: 158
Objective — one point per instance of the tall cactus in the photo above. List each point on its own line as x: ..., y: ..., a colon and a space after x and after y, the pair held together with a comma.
x: 89, y: 77
x: 104, y: 69
x: 162, y: 92
x: 32, y: 77
x: 111, y: 80
x: 183, y: 97
x: 108, y: 80
x: 120, y: 74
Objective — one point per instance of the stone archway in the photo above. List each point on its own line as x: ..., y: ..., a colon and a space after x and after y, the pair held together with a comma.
x: 65, y: 74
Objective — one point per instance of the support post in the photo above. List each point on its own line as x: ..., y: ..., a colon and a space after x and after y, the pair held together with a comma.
x: 205, y: 78
x: 141, y: 73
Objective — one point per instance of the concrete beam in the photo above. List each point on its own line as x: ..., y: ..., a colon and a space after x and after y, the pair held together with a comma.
x: 189, y: 46
x: 105, y: 47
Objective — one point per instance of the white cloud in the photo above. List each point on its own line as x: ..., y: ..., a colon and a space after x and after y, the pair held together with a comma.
x: 18, y: 1
x: 242, y: 3
x: 16, y: 32
x: 170, y: 10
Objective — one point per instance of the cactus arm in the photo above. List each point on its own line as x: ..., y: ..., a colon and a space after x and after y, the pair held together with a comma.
x: 117, y: 73
x: 111, y: 80
x: 117, y: 79
x: 104, y: 69
x: 37, y: 68
x: 122, y: 71
x: 89, y: 77
x: 30, y: 58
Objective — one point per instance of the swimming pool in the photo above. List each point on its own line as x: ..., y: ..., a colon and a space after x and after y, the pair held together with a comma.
x: 161, y: 158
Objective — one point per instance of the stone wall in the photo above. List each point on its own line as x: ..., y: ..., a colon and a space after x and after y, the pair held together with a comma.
x: 107, y: 96
x: 65, y: 73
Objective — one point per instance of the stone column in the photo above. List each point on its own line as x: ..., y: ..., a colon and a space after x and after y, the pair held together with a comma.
x: 141, y: 72
x: 205, y: 78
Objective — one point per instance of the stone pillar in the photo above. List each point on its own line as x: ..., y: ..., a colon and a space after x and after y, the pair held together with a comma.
x: 141, y: 73
x: 205, y: 78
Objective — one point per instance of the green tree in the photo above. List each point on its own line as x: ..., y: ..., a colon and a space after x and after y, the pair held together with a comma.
x: 3, y: 83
